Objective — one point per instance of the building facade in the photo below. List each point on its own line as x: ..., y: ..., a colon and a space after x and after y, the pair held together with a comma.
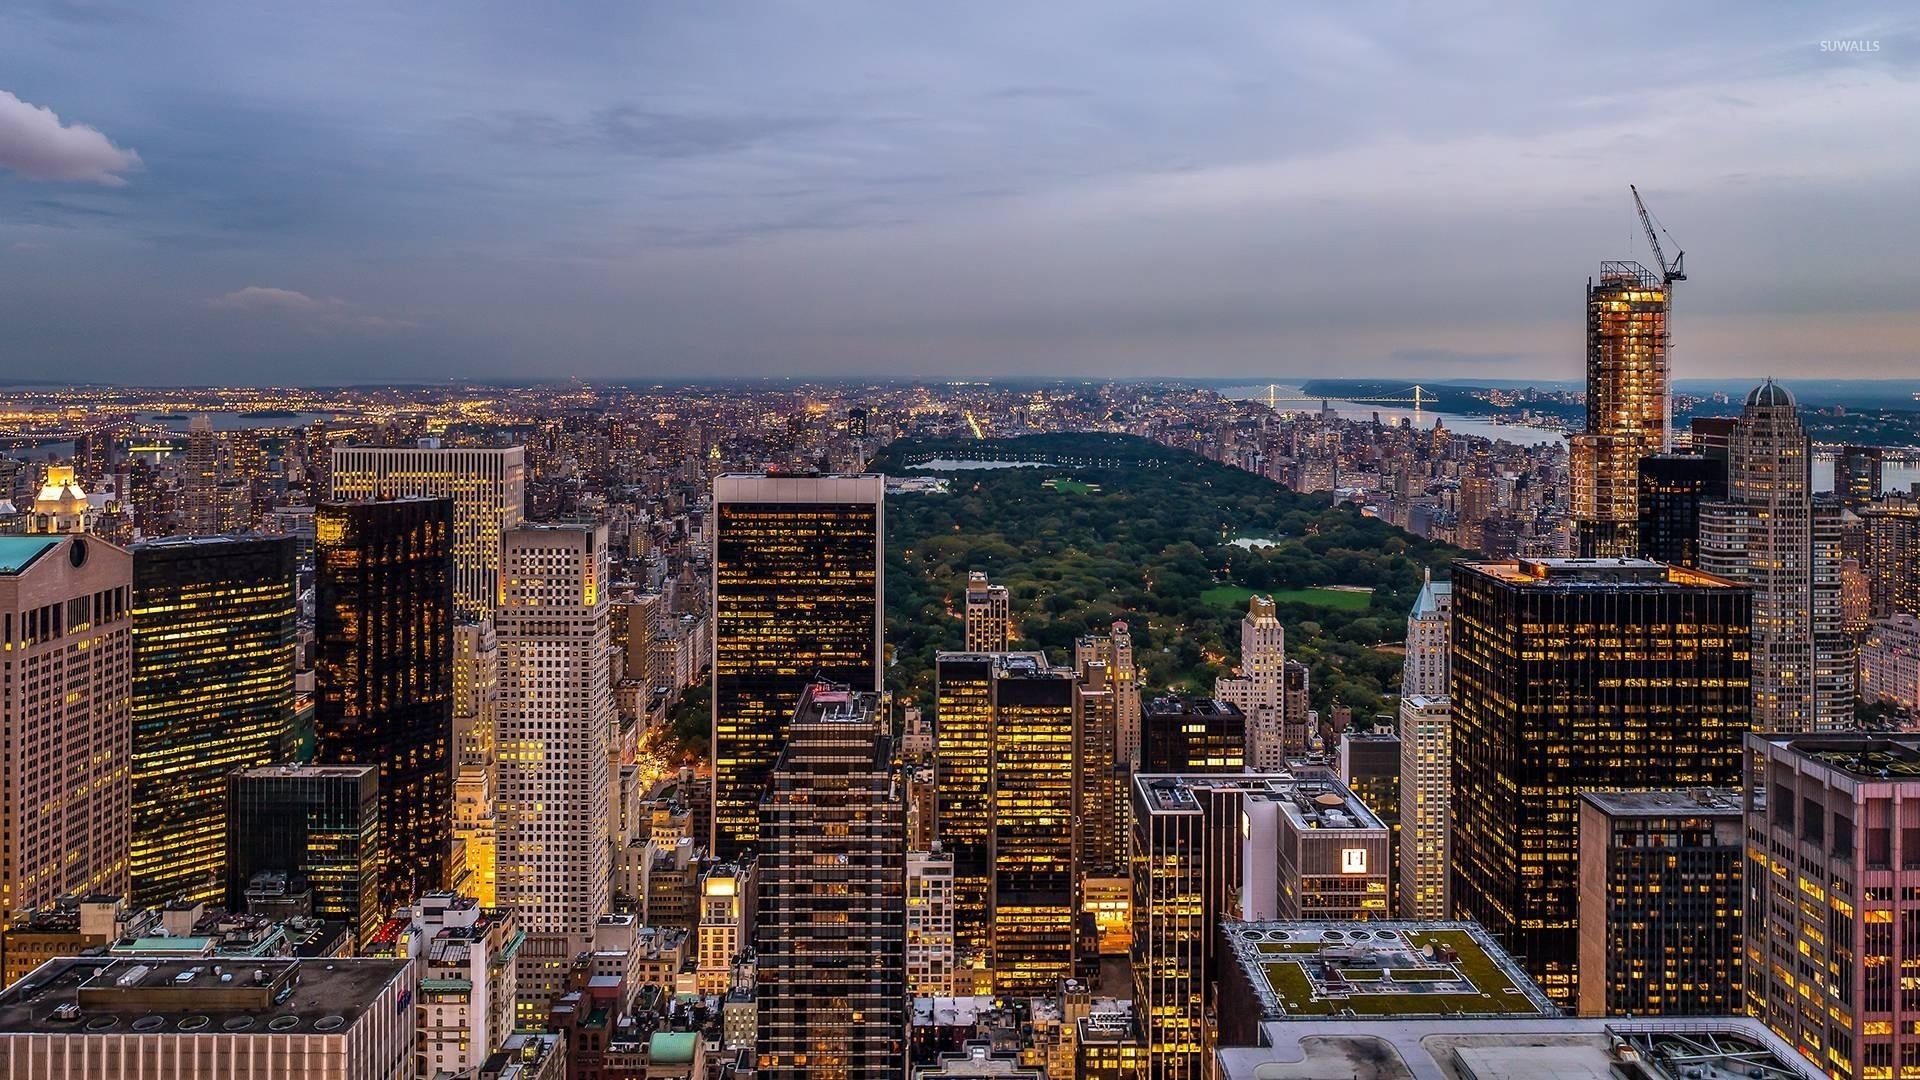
x: 1426, y: 793
x: 1192, y: 735
x: 931, y: 956
x: 1673, y: 487
x: 1574, y: 675
x: 1890, y: 663
x: 383, y: 673
x: 797, y: 588
x: 488, y: 489
x: 1629, y: 405
x: 320, y: 827
x: 213, y: 651
x: 988, y: 615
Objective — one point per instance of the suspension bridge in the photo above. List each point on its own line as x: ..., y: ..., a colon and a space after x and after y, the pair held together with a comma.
x: 1415, y: 395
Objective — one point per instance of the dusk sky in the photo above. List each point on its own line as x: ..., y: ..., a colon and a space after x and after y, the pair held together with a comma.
x: 263, y: 193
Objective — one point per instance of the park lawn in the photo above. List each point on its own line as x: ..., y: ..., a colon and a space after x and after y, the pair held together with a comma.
x: 1226, y: 596
x: 1234, y: 596
x: 1072, y: 487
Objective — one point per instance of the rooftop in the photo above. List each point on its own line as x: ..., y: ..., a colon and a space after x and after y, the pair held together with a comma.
x: 1302, y: 970
x: 1609, y: 573
x: 18, y: 552
x: 96, y: 995
x: 1863, y: 757
x: 1661, y: 803
x: 1564, y: 1048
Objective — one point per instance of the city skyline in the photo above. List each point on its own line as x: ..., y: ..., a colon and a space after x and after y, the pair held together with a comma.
x: 1128, y: 191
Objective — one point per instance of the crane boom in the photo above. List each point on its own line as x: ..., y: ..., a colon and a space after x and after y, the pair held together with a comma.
x: 1669, y: 272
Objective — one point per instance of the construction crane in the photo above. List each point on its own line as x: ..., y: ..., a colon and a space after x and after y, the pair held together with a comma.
x: 1670, y: 273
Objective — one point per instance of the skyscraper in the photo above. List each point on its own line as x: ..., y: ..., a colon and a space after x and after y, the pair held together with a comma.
x: 65, y: 606
x: 1574, y: 675
x: 931, y: 956
x: 554, y: 724
x: 830, y: 939
x: 989, y: 615
x: 797, y: 592
x: 1767, y: 535
x: 1115, y: 649
x: 1259, y: 691
x: 200, y: 503
x: 317, y: 824
x: 1672, y: 489
x: 383, y: 673
x: 476, y: 715
x: 1098, y: 780
x: 213, y: 650
x: 1629, y: 405
x: 963, y: 785
x: 1661, y: 903
x: 488, y: 489
x: 1031, y: 909
x: 1426, y: 793
x: 1425, y: 673
x: 1857, y: 475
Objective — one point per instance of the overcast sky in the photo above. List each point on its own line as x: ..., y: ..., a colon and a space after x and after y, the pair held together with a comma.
x: 226, y: 192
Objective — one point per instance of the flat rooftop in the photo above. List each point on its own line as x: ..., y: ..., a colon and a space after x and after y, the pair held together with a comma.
x: 136, y: 995
x: 1601, y: 573
x: 1560, y: 1048
x: 1863, y: 757
x: 1400, y: 968
x: 1693, y: 802
x: 1176, y: 792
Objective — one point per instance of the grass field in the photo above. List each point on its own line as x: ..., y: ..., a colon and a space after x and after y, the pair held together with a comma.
x: 1071, y: 487
x: 1336, y: 599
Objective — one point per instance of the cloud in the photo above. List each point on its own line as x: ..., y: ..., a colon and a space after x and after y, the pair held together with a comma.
x: 36, y: 145
x: 265, y: 298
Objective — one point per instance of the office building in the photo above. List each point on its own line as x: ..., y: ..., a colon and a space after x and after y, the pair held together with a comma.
x: 1769, y: 535
x: 1099, y: 779
x: 1858, y: 475
x: 830, y: 937
x: 383, y: 673
x: 315, y: 827
x: 476, y: 707
x: 462, y: 953
x: 554, y: 724
x: 1890, y: 663
x: 201, y: 503
x: 727, y: 901
x: 963, y: 783
x: 488, y: 489
x: 1629, y: 405
x: 213, y: 654
x: 1833, y: 862
x: 1192, y: 735
x: 1259, y: 690
x: 797, y: 590
x: 1332, y: 858
x: 1368, y: 762
x: 1574, y: 675
x: 989, y: 615
x: 65, y: 621
x: 1661, y: 903
x: 1428, y: 649
x: 1426, y: 793
x: 932, y: 957
x: 131, y: 1018
x: 1672, y: 489
x: 1115, y: 649
x: 1031, y: 906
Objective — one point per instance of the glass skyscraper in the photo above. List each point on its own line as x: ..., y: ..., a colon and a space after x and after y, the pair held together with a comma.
x: 213, y: 645
x: 384, y: 672
x: 1573, y: 675
x: 317, y: 824
x: 797, y: 598
x: 1629, y: 406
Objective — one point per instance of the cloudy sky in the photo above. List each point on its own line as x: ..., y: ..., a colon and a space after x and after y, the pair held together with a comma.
x: 247, y: 192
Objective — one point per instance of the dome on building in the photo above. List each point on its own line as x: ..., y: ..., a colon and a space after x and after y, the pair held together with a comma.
x: 1769, y: 394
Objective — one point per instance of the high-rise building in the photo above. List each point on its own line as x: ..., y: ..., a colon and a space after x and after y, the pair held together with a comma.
x: 320, y: 827
x: 1857, y: 475
x: 989, y: 615
x: 1768, y: 535
x: 476, y: 705
x: 1892, y: 556
x: 200, y: 501
x: 65, y: 781
x: 1833, y: 862
x: 1368, y: 762
x: 1629, y: 405
x: 488, y: 489
x: 1031, y: 908
x: 830, y: 938
x: 1098, y: 778
x: 1426, y: 792
x: 1890, y: 663
x: 1186, y: 735
x: 797, y: 572
x: 1660, y: 903
x: 1672, y: 489
x: 1425, y: 673
x: 1115, y: 649
x: 727, y: 901
x: 1574, y: 675
x: 932, y: 958
x: 1259, y: 691
x: 963, y: 784
x: 383, y: 673
x: 213, y: 650
x: 555, y: 719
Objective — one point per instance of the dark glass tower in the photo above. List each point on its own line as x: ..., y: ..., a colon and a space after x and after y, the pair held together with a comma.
x: 1574, y: 675
x: 1672, y: 487
x: 1857, y: 475
x: 384, y: 672
x: 317, y: 824
x: 830, y: 938
x: 963, y: 785
x: 1192, y: 735
x: 797, y: 597
x: 1031, y: 908
x: 213, y: 644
